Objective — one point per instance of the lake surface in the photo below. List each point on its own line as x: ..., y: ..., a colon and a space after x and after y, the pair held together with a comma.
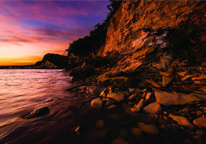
x: 23, y: 91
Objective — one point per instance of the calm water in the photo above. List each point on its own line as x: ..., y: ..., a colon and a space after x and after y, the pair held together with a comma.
x: 25, y: 90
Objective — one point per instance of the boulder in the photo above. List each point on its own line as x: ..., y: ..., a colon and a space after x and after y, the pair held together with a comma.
x: 116, y: 96
x: 84, y: 70
x: 96, y: 103
x: 153, y: 108
x: 149, y: 129
x: 200, y: 122
x: 138, y: 107
x: 95, y: 89
x: 168, y: 99
x: 119, y: 81
x: 182, y: 121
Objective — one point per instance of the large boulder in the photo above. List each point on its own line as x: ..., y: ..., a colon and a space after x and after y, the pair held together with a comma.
x: 116, y: 79
x: 83, y: 71
x: 168, y: 99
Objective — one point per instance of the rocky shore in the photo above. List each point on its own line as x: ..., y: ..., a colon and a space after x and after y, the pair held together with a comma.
x: 147, y: 96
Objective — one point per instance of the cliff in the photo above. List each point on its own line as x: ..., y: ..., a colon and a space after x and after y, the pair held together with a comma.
x: 183, y: 20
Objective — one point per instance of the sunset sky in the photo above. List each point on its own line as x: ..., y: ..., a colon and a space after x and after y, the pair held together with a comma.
x: 30, y: 29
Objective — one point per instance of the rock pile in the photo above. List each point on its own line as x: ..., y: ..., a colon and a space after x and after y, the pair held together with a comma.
x: 149, y: 80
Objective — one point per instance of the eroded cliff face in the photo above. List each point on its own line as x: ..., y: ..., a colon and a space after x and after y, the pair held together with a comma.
x: 183, y: 23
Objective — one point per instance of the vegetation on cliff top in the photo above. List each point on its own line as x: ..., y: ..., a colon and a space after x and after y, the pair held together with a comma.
x: 91, y: 44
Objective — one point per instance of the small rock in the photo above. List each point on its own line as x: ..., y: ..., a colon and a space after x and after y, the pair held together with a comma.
x: 187, y: 77
x: 199, y: 78
x: 138, y: 107
x: 153, y: 83
x: 100, y: 124
x: 119, y: 141
x: 200, y: 122
x: 166, y: 81
x: 148, y: 95
x: 182, y: 73
x: 150, y: 129
x: 116, y: 96
x: 111, y: 106
x: 182, y: 121
x: 136, y: 132
x: 95, y: 89
x: 131, y: 89
x: 153, y: 108
x: 132, y: 96
x: 103, y: 94
x: 96, y: 103
x: 201, y: 133
x: 167, y: 74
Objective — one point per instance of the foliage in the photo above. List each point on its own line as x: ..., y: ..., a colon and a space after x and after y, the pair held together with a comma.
x: 91, y: 44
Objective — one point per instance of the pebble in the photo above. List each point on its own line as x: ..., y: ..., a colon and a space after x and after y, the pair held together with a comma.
x: 116, y: 96
x: 138, y: 107
x: 136, y: 132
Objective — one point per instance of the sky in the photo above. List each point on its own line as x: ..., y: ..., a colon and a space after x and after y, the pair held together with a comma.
x: 30, y: 29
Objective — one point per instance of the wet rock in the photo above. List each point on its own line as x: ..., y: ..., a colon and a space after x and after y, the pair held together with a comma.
x: 166, y: 81
x: 149, y: 129
x: 119, y: 141
x: 116, y: 96
x: 138, y: 107
x: 96, y: 103
x: 200, y: 122
x: 182, y: 121
x: 153, y: 108
x: 95, y: 89
x: 36, y: 113
x: 100, y: 124
x: 136, y: 132
x: 167, y: 99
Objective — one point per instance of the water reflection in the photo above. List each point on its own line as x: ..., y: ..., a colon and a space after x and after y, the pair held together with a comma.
x: 25, y: 90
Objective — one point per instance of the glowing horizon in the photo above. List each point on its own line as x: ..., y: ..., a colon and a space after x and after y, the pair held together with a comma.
x: 31, y: 29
